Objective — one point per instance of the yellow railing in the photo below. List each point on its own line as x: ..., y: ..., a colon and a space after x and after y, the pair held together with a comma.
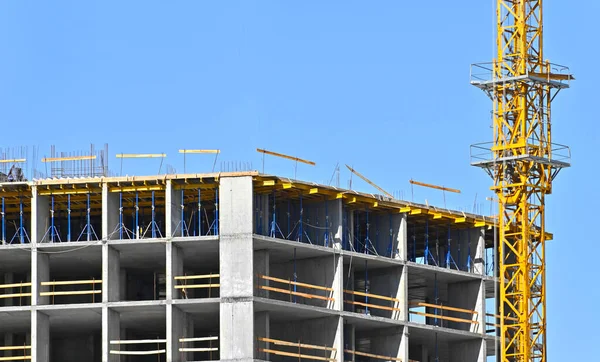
x: 158, y: 342
x: 54, y: 284
x: 184, y: 279
x: 26, y: 349
x: 19, y: 295
x: 370, y: 355
x: 299, y: 347
x: 394, y: 302
x: 443, y: 317
x: 210, y: 349
x: 291, y: 292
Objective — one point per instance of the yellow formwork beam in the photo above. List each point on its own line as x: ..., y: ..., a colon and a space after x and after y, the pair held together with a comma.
x: 70, y: 158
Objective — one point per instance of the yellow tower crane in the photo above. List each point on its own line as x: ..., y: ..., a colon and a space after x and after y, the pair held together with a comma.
x: 522, y: 161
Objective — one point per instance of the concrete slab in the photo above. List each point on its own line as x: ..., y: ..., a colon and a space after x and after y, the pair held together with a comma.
x: 280, y: 311
x: 141, y: 254
x: 15, y: 319
x: 15, y: 258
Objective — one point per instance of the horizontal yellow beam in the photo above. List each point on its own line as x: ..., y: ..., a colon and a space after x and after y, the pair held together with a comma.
x: 14, y: 160
x: 405, y: 209
x: 434, y: 186
x: 72, y: 158
x: 269, y: 183
x: 200, y: 151
x: 190, y: 277
x: 73, y: 282
x: 68, y: 192
x: 137, y: 188
x: 81, y: 292
x: 276, y: 154
x: 15, y: 358
x: 141, y: 155
x: 314, y: 191
x: 14, y: 348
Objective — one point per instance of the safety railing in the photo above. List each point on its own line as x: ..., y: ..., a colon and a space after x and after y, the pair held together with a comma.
x: 160, y: 347
x: 210, y: 348
x: 484, y: 152
x: 292, y: 289
x: 393, y: 307
x: 300, y: 349
x: 53, y: 285
x: 9, y: 288
x: 440, y: 315
x: 183, y: 286
x: 485, y: 72
x: 25, y: 349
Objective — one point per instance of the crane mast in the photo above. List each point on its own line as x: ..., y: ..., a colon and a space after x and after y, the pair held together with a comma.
x: 522, y: 161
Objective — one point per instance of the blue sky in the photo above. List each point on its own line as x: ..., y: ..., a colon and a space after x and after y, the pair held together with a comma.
x: 383, y: 86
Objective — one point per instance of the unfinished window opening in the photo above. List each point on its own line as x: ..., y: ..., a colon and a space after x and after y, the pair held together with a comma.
x: 196, y: 269
x: 69, y: 215
x: 369, y: 231
x: 142, y: 336
x: 16, y: 214
x: 70, y: 276
x: 15, y: 278
x: 76, y: 335
x: 15, y: 346
x: 366, y: 344
x: 372, y: 290
x: 142, y: 271
x: 200, y: 339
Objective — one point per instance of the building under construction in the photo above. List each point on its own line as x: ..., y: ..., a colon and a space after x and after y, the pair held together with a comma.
x: 238, y: 266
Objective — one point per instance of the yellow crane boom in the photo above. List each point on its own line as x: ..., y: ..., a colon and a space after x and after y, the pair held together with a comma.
x: 522, y: 162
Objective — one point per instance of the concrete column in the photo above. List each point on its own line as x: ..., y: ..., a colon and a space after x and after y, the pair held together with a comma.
x: 350, y: 230
x: 480, y: 308
x: 40, y: 337
x: 336, y: 220
x: 404, y: 343
x: 338, y: 284
x: 399, y: 232
x: 110, y: 214
x: 478, y: 237
x: 111, y: 330
x: 40, y: 213
x: 261, y: 266
x: 402, y: 295
x: 40, y: 272
x: 470, y: 296
x: 173, y: 205
x: 174, y: 267
x: 338, y: 341
x: 236, y: 268
x: 111, y: 274
x: 176, y: 325
x: 262, y: 329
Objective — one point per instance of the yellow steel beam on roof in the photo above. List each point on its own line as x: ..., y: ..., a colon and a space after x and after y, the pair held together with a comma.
x: 70, y: 158
x: 195, y: 186
x: 479, y: 224
x: 137, y: 188
x: 287, y: 185
x: 460, y: 220
x: 268, y: 183
x: 369, y: 181
x: 141, y: 155
x: 405, y: 209
x: 68, y: 192
x: 434, y: 186
x: 200, y: 151
x: 14, y: 160
x: 314, y: 190
x: 416, y: 211
x: 297, y: 159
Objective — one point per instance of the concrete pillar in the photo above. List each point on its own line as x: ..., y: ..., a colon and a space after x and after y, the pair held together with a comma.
x: 338, y: 284
x: 402, y: 295
x: 111, y: 330
x: 399, y: 232
x: 236, y: 268
x: 338, y: 341
x: 261, y: 266
x: 40, y: 337
x: 336, y: 220
x: 262, y: 329
x: 40, y: 214
x: 403, y: 351
x: 173, y: 206
x: 174, y: 267
x: 478, y: 238
x: 111, y: 274
x: 176, y: 325
x: 40, y: 272
x: 110, y: 214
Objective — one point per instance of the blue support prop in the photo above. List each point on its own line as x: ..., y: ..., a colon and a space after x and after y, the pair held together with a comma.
x: 68, y: 218
x: 390, y: 249
x: 289, y: 215
x: 469, y: 250
x: 120, y: 216
x: 449, y: 259
x: 184, y: 228
x: 300, y: 235
x: 458, y: 251
x: 367, y: 240
x: 295, y: 276
x: 3, y: 223
x: 88, y: 229
x: 435, y: 291
x: 427, y: 255
x: 216, y: 223
x: 21, y: 227
x: 199, y: 213
x: 153, y: 223
x: 326, y: 239
x: 345, y: 229
x: 356, y: 233
x: 414, y: 257
x: 366, y: 288
x: 137, y: 216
